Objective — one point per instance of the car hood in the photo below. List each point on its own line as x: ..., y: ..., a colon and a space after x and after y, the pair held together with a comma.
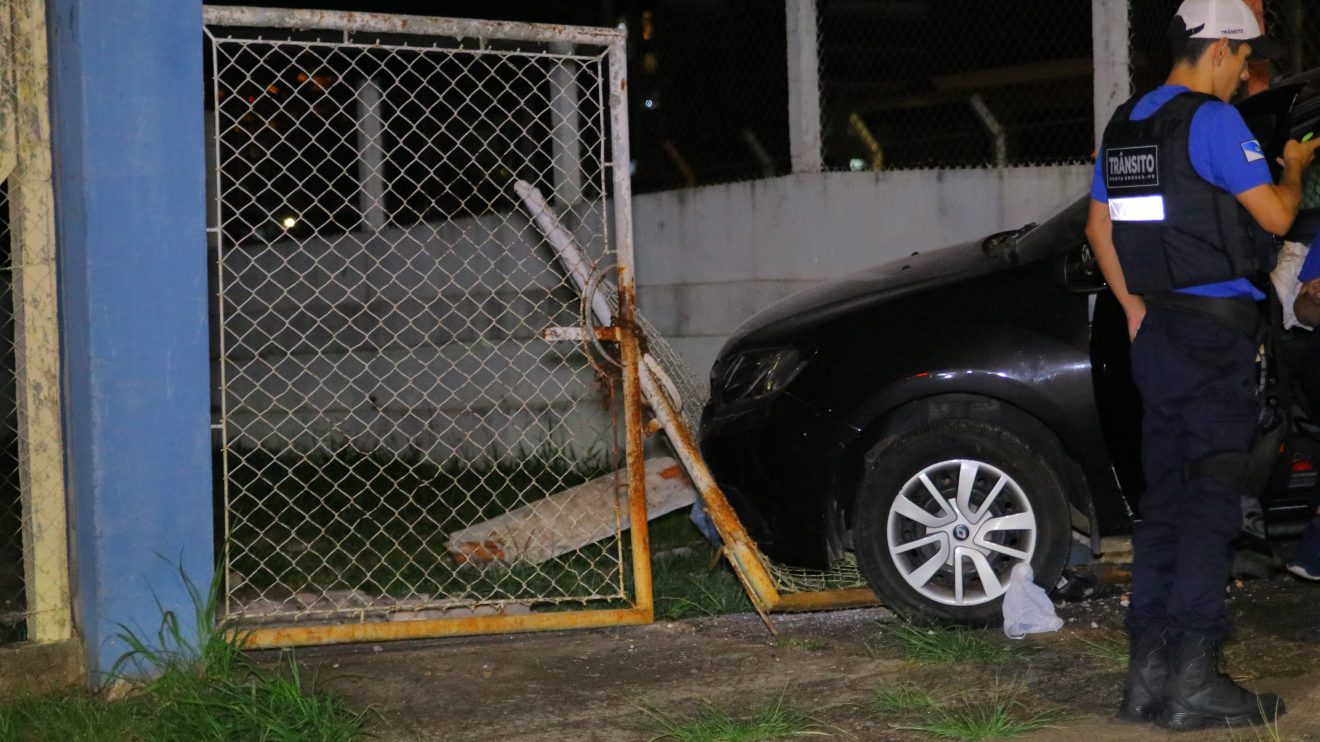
x: 792, y: 316
x: 787, y: 320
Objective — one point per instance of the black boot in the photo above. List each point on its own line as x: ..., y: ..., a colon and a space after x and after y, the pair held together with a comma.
x: 1200, y: 696
x: 1147, y: 677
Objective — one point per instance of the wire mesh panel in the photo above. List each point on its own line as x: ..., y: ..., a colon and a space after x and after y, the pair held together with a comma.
x: 398, y: 438
x: 709, y: 92
x: 936, y: 84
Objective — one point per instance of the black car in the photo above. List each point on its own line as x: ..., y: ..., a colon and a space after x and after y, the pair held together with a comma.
x: 949, y: 415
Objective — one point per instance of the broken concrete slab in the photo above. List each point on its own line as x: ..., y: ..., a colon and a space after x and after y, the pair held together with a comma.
x: 569, y: 520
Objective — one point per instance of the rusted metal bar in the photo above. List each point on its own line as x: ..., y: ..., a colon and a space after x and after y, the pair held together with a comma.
x: 633, y: 427
x: 857, y: 597
x: 351, y: 22
x: 738, y: 545
x: 577, y: 335
x: 295, y: 636
x: 626, y: 322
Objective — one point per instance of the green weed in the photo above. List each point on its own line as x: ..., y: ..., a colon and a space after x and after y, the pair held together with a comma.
x: 199, y: 688
x: 999, y: 716
x: 378, y: 523
x: 1109, y: 649
x: 904, y: 698
x: 947, y: 644
x: 773, y: 721
x: 692, y: 583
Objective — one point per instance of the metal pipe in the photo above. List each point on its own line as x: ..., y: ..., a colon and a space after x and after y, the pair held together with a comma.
x: 992, y: 125
x: 371, y: 156
x: 353, y: 22
x: 296, y: 636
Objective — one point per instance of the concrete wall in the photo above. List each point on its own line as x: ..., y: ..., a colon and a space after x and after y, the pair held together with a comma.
x: 427, y: 338
x: 709, y: 258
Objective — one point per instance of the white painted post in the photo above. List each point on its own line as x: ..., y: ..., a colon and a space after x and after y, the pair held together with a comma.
x: 1110, y: 44
x: 803, y: 87
x: 371, y: 156
x: 566, y: 154
x: 36, y: 333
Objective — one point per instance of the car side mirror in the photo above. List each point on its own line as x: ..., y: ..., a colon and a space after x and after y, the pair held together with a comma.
x: 1078, y: 271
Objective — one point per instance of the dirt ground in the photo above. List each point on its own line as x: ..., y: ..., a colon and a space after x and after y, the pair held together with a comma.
x: 595, y: 685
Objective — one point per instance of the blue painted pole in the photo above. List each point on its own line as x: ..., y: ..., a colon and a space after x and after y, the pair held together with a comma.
x: 127, y: 113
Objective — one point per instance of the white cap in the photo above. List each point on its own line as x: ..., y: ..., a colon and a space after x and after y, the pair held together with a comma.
x: 1226, y: 19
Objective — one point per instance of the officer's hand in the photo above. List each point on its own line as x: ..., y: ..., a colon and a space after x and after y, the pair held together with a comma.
x: 1134, y: 318
x: 1299, y: 154
x: 1312, y: 289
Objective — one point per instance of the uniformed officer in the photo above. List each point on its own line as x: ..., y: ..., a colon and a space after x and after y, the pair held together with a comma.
x: 1182, y: 219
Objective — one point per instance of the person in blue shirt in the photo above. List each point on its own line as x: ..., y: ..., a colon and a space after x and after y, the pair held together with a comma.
x: 1183, y: 209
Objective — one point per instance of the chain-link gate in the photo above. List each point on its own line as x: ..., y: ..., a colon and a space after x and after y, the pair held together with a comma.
x: 387, y: 373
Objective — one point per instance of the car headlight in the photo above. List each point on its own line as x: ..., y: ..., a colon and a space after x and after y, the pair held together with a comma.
x: 757, y: 374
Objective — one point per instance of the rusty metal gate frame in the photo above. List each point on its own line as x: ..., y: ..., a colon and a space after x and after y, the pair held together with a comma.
x: 623, y: 331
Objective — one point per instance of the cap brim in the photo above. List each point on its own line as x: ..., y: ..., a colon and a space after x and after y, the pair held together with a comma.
x: 1263, y: 47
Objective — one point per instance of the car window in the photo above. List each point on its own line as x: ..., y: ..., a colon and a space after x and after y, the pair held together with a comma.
x: 1304, y: 119
x: 1267, y: 116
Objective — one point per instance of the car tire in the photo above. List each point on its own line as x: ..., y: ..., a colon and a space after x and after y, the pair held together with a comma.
x: 927, y: 559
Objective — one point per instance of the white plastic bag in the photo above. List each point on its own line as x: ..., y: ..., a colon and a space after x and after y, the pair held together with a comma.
x: 1027, y: 609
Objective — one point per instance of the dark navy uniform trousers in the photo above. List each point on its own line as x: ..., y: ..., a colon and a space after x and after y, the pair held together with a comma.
x: 1197, y: 379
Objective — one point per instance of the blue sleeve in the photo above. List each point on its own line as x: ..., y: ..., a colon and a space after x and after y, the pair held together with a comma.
x: 1098, y: 190
x: 1311, y: 266
x: 1224, y: 151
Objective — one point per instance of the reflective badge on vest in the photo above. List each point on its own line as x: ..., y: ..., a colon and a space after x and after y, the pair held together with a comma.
x: 1137, y: 209
x: 1132, y: 167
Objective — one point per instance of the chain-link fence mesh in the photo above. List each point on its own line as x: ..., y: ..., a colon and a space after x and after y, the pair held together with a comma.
x: 937, y: 84
x: 1295, y: 23
x: 383, y: 380
x: 13, y: 601
x: 1148, y: 51
x: 708, y: 92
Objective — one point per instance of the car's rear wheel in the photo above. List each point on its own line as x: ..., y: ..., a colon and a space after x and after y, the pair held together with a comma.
x: 945, y: 512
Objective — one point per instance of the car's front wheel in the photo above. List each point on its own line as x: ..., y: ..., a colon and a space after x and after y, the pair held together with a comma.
x: 945, y: 512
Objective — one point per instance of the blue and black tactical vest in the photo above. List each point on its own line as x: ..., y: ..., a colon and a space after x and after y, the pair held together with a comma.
x: 1172, y: 228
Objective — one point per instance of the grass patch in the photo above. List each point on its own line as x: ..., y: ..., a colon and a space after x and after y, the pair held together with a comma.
x: 202, y: 689
x: 999, y: 716
x: 773, y: 721
x: 690, y: 581
x: 1109, y: 649
x: 378, y: 523
x: 904, y: 698
x: 947, y: 645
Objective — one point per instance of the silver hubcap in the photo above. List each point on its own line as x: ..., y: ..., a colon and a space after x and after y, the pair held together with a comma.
x: 957, y: 528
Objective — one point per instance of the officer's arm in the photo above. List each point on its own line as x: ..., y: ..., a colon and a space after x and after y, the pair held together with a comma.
x: 1307, y: 305
x: 1274, y: 206
x: 1100, y: 233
